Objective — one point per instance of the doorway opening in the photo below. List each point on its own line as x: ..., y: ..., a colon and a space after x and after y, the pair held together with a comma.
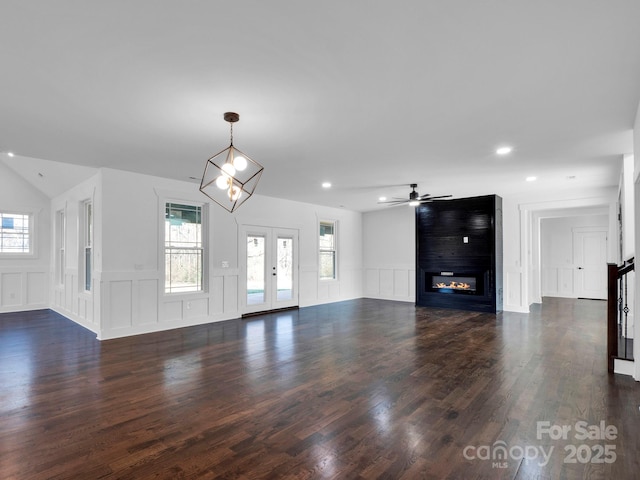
x: 572, y: 254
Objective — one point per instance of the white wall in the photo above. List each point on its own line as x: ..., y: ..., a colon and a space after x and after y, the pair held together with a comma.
x: 24, y: 279
x: 558, y: 271
x: 389, y: 254
x: 128, y: 296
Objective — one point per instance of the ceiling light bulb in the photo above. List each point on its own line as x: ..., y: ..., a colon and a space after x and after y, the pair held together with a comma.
x: 240, y: 163
x: 414, y: 203
x: 228, y: 169
x: 503, y: 150
x: 222, y: 182
x: 10, y: 154
x: 382, y: 199
x: 326, y: 185
x: 234, y: 193
x: 531, y: 179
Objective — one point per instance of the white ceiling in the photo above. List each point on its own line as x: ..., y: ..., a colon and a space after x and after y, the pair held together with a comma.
x: 365, y: 94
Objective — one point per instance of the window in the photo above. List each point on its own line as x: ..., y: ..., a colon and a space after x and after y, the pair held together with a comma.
x: 184, y: 252
x: 60, y: 246
x: 87, y: 243
x: 15, y: 233
x: 327, y: 250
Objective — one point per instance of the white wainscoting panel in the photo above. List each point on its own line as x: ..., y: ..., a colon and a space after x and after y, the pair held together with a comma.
x: 558, y: 281
x: 120, y: 304
x: 37, y: 288
x: 400, y: 283
x: 78, y: 306
x: 513, y: 291
x: 216, y: 300
x: 230, y: 293
x: 386, y: 282
x: 133, y: 303
x: 196, y: 308
x: 172, y: 311
x: 308, y: 295
x: 69, y: 289
x: 323, y: 291
x: 390, y: 283
x: 566, y: 282
x: 372, y: 282
x: 23, y: 288
x: 11, y: 289
x: 549, y: 281
x: 334, y: 290
x: 147, y: 301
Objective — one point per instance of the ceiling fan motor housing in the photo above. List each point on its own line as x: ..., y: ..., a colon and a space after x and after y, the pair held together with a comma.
x: 413, y: 195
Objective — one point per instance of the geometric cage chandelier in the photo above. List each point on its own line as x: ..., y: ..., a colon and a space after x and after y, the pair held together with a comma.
x: 230, y: 176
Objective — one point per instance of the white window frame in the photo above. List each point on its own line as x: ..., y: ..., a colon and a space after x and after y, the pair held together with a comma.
x: 334, y: 250
x: 31, y: 215
x: 60, y: 245
x: 86, y: 245
x: 203, y: 248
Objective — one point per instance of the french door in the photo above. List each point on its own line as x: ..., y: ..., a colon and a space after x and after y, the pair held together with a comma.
x: 268, y: 268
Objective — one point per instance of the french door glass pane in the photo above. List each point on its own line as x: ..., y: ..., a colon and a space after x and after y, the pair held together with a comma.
x: 255, y: 269
x: 285, y: 268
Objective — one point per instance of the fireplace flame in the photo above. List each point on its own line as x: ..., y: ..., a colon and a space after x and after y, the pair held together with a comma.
x: 454, y: 285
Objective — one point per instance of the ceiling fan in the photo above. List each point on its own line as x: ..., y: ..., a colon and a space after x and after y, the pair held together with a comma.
x: 415, y: 198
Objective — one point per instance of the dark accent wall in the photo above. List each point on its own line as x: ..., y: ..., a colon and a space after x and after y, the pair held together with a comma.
x: 441, y: 230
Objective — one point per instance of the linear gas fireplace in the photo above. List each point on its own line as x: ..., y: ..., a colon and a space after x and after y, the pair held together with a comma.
x: 447, y: 282
x: 459, y: 254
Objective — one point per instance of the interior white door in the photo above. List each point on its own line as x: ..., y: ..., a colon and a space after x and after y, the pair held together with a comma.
x: 590, y: 259
x: 268, y: 268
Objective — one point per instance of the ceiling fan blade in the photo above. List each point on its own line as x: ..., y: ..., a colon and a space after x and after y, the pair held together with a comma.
x: 431, y: 199
x: 413, y: 197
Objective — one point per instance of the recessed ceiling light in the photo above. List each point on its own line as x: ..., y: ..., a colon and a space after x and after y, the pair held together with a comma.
x: 10, y: 154
x: 382, y: 199
x: 326, y: 185
x: 503, y: 150
x: 531, y: 179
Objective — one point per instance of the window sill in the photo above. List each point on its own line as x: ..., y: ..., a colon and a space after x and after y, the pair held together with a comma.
x: 190, y: 295
x: 17, y: 256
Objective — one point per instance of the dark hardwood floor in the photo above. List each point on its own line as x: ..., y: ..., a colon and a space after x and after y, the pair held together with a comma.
x: 361, y: 389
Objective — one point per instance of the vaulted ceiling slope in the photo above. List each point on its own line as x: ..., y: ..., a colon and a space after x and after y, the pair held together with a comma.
x: 367, y: 95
